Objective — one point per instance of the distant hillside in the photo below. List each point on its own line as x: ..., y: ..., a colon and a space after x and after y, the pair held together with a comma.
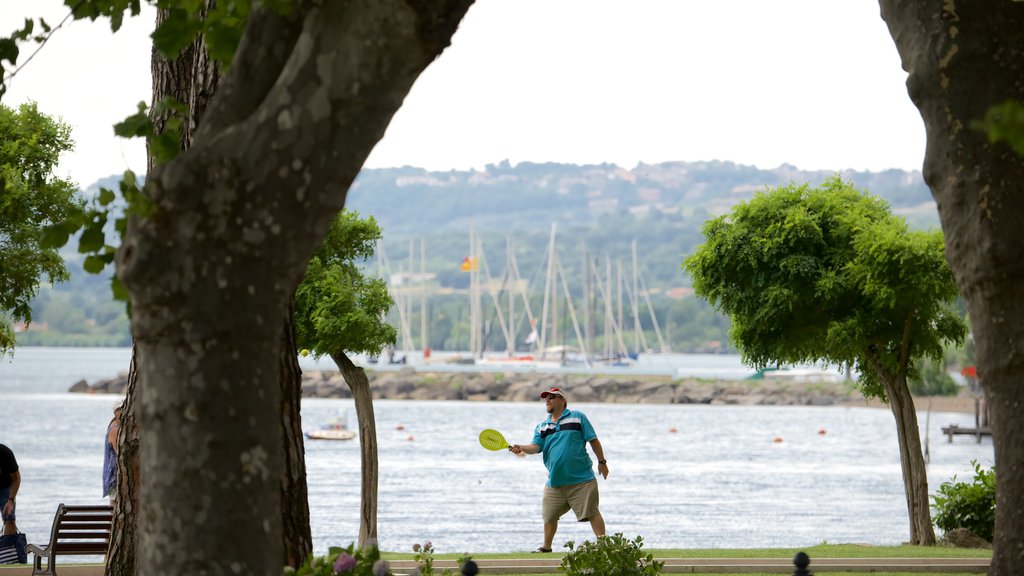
x: 601, y: 211
x: 528, y: 197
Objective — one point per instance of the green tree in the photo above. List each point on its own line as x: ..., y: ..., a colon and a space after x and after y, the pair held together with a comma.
x: 339, y: 311
x: 964, y: 61
x: 31, y: 198
x: 829, y: 275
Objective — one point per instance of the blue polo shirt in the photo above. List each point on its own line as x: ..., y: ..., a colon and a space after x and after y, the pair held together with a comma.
x: 564, y: 445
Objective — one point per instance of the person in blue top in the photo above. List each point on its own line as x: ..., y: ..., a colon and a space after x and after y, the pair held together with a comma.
x: 563, y: 439
x: 110, y: 450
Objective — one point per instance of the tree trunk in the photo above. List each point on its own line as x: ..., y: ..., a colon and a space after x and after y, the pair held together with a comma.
x: 192, y: 79
x: 298, y: 539
x: 359, y: 384
x: 124, y: 536
x: 962, y: 59
x: 213, y: 268
x: 915, y: 473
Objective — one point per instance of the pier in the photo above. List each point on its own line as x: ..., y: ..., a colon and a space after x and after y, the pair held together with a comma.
x: 981, y: 423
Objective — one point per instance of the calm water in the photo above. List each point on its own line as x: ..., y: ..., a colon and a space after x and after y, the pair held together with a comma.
x: 719, y: 480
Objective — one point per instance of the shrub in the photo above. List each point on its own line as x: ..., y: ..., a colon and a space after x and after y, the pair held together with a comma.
x: 610, y: 555
x: 424, y: 556
x: 968, y: 505
x: 344, y: 562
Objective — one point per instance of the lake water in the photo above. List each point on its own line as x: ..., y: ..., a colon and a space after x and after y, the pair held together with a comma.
x: 681, y: 475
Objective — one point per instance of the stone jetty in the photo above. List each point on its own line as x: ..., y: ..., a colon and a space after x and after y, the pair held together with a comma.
x: 410, y: 384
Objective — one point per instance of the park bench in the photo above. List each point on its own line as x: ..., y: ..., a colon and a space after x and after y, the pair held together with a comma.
x: 76, y: 531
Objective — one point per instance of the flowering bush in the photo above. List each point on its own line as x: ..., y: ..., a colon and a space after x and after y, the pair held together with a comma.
x: 610, y: 555
x: 424, y: 556
x: 349, y: 561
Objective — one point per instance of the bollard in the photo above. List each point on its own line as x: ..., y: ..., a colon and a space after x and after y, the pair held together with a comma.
x: 801, y: 561
x: 470, y: 569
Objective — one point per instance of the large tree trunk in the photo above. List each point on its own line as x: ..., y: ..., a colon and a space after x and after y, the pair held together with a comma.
x: 192, y: 79
x: 359, y: 384
x: 124, y: 536
x: 212, y: 270
x: 962, y: 59
x: 915, y: 473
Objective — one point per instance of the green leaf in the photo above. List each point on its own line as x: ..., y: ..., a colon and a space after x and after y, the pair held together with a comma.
x: 136, y: 125
x: 92, y: 239
x: 8, y: 50
x: 94, y: 264
x: 105, y: 197
x: 177, y: 31
x: 55, y: 236
x: 165, y: 146
x: 1005, y: 123
x: 118, y: 289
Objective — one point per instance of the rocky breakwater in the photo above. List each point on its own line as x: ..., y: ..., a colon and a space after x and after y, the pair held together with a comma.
x: 410, y: 384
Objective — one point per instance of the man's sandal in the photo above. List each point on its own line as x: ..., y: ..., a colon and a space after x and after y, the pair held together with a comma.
x: 542, y: 550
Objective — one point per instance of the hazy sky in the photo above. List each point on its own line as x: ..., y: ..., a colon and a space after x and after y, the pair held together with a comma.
x: 813, y: 83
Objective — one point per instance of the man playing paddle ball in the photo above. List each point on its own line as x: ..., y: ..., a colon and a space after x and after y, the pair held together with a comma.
x: 571, y: 484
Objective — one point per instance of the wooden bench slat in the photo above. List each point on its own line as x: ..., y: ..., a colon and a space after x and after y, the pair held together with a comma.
x: 81, y: 548
x: 84, y: 525
x: 87, y: 517
x: 83, y: 535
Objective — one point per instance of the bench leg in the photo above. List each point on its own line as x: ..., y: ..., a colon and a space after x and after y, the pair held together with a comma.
x: 37, y: 565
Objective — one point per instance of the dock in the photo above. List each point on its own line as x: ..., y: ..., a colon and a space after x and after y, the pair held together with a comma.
x: 981, y: 423
x: 978, y: 433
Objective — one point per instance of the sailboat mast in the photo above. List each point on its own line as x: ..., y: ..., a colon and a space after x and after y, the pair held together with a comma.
x: 424, y: 339
x: 608, y: 307
x: 473, y: 333
x: 636, y: 303
x: 511, y: 296
x: 547, y: 292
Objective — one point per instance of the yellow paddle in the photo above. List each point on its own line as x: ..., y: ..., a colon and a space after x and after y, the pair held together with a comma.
x: 493, y: 440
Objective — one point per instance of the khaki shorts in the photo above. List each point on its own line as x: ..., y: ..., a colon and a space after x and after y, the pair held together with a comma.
x: 581, y: 498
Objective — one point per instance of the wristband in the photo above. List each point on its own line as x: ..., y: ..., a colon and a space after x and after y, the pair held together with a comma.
x: 602, y: 461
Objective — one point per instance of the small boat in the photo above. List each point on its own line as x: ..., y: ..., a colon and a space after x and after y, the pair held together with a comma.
x: 333, y: 430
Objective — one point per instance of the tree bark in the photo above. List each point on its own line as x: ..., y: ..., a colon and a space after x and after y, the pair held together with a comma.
x: 962, y: 59
x: 298, y: 538
x: 192, y: 79
x: 124, y: 537
x: 915, y: 472
x: 359, y: 384
x: 212, y: 270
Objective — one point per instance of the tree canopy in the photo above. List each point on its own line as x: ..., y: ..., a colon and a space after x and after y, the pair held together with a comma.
x: 338, y: 308
x: 827, y: 274
x: 31, y: 198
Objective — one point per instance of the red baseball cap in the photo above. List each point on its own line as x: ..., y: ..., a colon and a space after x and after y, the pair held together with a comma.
x: 553, y: 392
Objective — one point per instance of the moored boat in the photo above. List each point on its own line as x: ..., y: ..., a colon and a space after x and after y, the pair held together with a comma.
x: 336, y: 429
